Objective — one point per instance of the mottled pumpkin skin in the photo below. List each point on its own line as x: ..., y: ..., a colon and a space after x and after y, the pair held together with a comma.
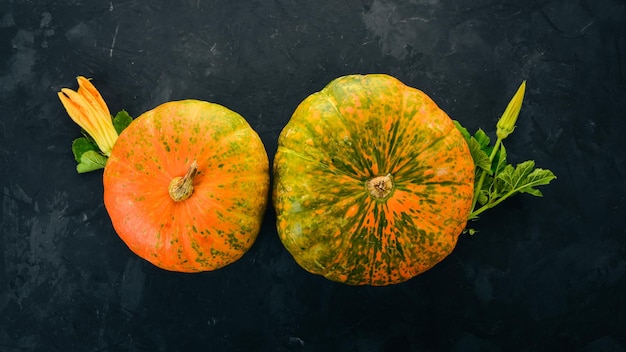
x: 221, y: 219
x: 357, y: 128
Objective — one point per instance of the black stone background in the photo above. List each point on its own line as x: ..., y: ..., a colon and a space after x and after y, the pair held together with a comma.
x: 543, y: 274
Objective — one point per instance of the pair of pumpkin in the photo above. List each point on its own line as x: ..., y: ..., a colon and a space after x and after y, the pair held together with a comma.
x: 373, y: 183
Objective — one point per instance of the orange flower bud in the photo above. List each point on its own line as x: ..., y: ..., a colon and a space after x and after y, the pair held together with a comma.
x: 87, y: 108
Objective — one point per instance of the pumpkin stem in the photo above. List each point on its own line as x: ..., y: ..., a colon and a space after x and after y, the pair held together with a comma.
x: 181, y: 188
x: 380, y: 187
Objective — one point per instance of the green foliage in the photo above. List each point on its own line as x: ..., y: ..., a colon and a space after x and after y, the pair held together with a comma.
x: 91, y: 161
x: 121, y: 121
x: 496, y: 179
x: 86, y: 151
x: 82, y: 145
x: 476, y: 147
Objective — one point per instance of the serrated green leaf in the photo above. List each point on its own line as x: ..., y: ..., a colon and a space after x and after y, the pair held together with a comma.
x: 481, y: 159
x: 514, y: 176
x: 532, y: 191
x: 538, y: 177
x: 82, y: 145
x: 462, y: 129
x: 524, y: 177
x: 521, y: 171
x: 90, y: 161
x: 482, y: 138
x: 121, y: 120
x: 505, y: 178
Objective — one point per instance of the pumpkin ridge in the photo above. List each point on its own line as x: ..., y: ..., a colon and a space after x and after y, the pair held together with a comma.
x: 307, y: 210
x: 373, y: 239
x: 393, y: 143
x: 423, y: 208
x: 358, y: 153
x: 197, y: 242
x: 241, y: 129
x: 196, y: 121
x: 193, y: 246
x: 142, y: 134
x: 365, y: 231
x: 425, y: 173
x: 389, y: 152
x: 333, y: 102
x: 382, y: 249
x: 183, y: 241
x: 399, y: 168
x: 390, y: 256
x: 328, y: 167
x: 411, y: 95
x: 386, y: 153
x: 213, y: 176
x: 211, y: 204
x: 151, y: 131
x: 358, y: 166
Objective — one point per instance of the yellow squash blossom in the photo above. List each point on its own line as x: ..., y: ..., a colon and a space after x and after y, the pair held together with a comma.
x: 87, y: 108
x: 506, y: 124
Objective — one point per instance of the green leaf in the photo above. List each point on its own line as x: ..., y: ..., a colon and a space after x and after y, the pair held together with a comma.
x: 82, y: 145
x: 524, y: 177
x: 511, y: 176
x: 521, y: 171
x: 483, y: 197
x: 482, y: 138
x: 481, y: 159
x: 462, y: 129
x: 121, y: 121
x: 538, y: 177
x: 90, y: 161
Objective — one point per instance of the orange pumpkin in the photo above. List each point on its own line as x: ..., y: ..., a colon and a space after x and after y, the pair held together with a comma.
x: 186, y: 186
x: 373, y: 182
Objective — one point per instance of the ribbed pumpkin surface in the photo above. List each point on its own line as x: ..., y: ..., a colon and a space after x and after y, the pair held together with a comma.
x: 373, y: 182
x: 220, y: 221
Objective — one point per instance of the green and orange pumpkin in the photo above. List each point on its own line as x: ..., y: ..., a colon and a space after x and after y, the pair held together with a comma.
x: 373, y: 182
x: 186, y: 186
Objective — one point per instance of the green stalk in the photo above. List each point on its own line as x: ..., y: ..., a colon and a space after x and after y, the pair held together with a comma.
x: 479, y: 185
x: 504, y: 127
x: 490, y: 205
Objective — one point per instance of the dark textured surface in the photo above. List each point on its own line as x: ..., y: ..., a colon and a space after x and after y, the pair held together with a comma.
x: 541, y: 275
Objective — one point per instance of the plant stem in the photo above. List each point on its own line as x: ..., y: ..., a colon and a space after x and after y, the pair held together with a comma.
x: 504, y: 127
x: 474, y: 214
x: 478, y: 186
